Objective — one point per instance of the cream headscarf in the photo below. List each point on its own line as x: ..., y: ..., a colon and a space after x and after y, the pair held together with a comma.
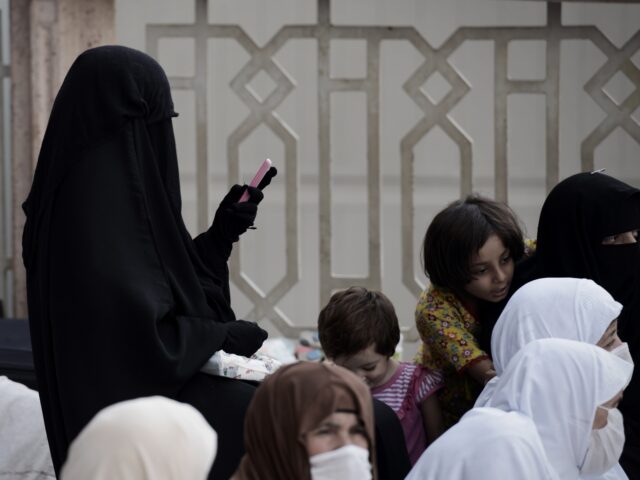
x: 570, y: 308
x: 152, y: 438
x: 559, y: 384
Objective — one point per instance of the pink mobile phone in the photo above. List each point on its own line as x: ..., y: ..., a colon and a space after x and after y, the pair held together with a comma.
x: 262, y: 171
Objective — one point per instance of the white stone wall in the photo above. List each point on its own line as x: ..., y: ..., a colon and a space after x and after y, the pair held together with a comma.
x: 437, y: 157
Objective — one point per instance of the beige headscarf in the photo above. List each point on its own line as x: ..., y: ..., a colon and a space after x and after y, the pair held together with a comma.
x: 290, y: 403
x: 152, y: 438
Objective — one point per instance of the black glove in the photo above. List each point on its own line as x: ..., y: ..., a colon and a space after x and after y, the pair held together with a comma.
x: 243, y: 338
x: 232, y: 218
x: 266, y: 180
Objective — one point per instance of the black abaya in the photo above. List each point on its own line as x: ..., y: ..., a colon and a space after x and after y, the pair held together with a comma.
x: 122, y: 302
x: 391, y: 449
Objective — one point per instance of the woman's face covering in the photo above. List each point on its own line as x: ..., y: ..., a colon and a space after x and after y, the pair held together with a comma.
x: 602, y: 412
x: 589, y: 229
x: 335, y: 431
x: 610, y: 339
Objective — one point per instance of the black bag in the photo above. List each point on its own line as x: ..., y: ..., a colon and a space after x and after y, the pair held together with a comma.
x: 16, y: 360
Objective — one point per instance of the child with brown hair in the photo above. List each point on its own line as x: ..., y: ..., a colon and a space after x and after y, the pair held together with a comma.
x: 469, y: 253
x: 359, y: 330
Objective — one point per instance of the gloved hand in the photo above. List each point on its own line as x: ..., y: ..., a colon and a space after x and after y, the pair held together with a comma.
x: 232, y: 218
x: 243, y: 338
x: 266, y: 180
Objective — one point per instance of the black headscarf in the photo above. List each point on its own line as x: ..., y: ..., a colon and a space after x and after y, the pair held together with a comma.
x: 122, y: 302
x: 576, y: 216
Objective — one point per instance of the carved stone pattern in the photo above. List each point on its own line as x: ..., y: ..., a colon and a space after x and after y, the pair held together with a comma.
x: 434, y: 114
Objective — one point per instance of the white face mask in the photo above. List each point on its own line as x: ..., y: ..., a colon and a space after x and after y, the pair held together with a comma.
x: 349, y: 463
x: 605, y: 446
x: 622, y: 351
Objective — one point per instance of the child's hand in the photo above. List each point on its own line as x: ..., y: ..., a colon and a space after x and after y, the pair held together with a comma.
x: 482, y: 371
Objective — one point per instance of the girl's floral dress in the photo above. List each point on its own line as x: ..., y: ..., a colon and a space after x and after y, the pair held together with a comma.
x: 449, y: 335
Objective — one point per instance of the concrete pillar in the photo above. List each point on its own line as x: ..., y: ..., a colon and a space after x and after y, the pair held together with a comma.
x: 46, y: 36
x: 83, y: 24
x: 21, y: 141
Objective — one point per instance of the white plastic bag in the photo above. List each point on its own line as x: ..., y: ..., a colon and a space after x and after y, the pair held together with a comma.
x: 229, y: 365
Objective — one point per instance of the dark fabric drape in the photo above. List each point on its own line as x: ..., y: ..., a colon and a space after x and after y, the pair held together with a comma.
x: 391, y: 449
x: 122, y: 302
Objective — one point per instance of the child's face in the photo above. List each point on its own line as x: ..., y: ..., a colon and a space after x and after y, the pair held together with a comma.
x: 492, y: 271
x: 368, y: 364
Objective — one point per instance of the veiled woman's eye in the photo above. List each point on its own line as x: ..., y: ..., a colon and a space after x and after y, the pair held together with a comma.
x: 621, y: 238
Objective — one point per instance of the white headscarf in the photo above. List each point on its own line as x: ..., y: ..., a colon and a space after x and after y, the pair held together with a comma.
x: 152, y: 438
x: 486, y: 444
x: 559, y: 384
x: 24, y: 451
x: 570, y: 308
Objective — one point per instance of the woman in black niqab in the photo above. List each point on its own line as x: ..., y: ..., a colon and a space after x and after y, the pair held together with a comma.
x: 578, y: 214
x: 122, y: 302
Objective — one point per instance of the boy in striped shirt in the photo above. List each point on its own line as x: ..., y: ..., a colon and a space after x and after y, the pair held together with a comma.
x: 359, y: 330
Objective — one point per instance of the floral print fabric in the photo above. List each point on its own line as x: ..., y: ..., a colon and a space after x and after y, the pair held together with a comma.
x: 449, y: 335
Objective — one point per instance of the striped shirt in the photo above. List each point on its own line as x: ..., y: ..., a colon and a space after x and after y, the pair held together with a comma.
x: 404, y: 392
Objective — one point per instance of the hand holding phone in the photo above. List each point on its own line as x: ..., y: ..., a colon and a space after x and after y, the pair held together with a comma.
x: 236, y: 214
x: 262, y: 171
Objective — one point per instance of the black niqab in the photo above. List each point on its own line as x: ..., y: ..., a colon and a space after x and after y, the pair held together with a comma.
x: 122, y: 302
x: 576, y: 216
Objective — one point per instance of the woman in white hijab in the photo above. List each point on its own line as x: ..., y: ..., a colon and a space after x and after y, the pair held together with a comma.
x: 24, y: 451
x: 539, y: 420
x: 152, y: 438
x: 570, y: 308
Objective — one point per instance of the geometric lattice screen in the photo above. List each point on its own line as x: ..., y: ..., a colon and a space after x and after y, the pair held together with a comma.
x: 435, y: 88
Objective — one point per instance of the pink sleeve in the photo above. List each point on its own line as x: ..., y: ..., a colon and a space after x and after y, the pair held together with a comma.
x: 428, y: 382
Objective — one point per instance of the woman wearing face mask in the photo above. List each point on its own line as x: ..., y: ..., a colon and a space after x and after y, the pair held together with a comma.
x: 570, y: 308
x: 539, y: 423
x: 310, y: 422
x: 588, y: 228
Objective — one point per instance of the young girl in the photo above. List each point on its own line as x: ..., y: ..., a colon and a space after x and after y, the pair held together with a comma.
x: 469, y: 253
x: 359, y: 330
